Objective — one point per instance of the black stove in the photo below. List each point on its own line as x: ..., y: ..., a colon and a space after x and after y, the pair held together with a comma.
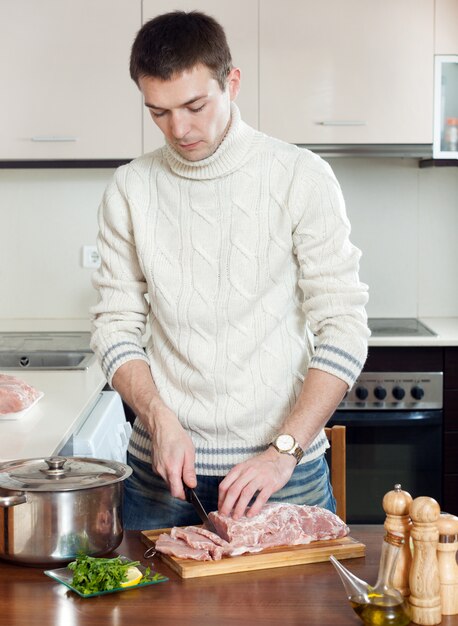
x: 398, y: 327
x: 393, y: 417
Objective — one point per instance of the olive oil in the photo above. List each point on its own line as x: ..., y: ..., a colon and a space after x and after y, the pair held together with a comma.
x: 381, y: 604
x: 377, y: 610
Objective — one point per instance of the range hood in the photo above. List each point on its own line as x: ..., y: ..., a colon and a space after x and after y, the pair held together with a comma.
x: 408, y: 151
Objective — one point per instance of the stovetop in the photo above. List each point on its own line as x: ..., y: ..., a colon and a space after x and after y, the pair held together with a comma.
x: 399, y: 327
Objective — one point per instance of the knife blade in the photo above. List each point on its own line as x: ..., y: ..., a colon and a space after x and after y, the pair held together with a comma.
x: 192, y: 498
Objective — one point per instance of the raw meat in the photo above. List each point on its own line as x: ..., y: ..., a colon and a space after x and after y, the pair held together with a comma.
x: 280, y: 524
x: 15, y: 394
x: 276, y: 525
x: 202, y: 539
x: 179, y: 548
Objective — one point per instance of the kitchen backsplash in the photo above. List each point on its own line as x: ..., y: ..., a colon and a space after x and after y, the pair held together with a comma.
x: 404, y: 219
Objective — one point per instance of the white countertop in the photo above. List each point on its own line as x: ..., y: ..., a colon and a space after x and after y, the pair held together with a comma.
x: 69, y: 394
x: 8, y: 325
x: 446, y: 329
x: 43, y: 430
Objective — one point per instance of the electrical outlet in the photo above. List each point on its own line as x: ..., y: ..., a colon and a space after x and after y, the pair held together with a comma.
x: 91, y: 258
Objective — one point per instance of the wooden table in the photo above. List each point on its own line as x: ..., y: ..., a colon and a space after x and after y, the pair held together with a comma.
x: 304, y: 594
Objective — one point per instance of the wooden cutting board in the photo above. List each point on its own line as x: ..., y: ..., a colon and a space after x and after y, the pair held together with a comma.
x: 282, y: 556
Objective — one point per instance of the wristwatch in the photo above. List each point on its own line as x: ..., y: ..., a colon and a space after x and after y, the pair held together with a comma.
x: 286, y: 444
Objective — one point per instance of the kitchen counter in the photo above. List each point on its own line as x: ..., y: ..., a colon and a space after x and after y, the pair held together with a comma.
x: 446, y: 329
x: 69, y: 394
x: 43, y: 430
x: 303, y: 594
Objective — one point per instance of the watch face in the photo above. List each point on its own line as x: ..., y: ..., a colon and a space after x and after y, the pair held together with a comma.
x: 285, y: 442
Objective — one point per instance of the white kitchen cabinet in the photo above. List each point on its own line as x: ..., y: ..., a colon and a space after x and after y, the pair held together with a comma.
x: 66, y: 89
x: 353, y: 72
x: 240, y: 21
x: 446, y: 27
x: 445, y: 144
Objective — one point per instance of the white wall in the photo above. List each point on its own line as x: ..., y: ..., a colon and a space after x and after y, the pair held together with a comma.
x: 45, y: 218
x: 405, y: 220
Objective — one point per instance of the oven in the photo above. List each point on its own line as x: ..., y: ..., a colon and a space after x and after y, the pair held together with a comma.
x: 393, y: 418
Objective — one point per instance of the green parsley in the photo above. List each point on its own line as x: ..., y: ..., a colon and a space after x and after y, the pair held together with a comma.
x: 92, y: 575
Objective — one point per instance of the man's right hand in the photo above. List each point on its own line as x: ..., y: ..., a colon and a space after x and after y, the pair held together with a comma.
x: 172, y: 450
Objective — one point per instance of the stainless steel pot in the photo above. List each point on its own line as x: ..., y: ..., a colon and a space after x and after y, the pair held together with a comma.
x: 52, y: 509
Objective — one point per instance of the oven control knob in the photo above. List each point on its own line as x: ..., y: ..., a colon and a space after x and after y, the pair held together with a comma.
x: 380, y: 393
x: 361, y: 393
x: 398, y: 393
x: 417, y: 392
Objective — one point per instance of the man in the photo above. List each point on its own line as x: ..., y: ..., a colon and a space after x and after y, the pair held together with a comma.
x: 227, y: 247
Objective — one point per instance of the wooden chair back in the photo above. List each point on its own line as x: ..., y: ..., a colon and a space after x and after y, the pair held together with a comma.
x: 338, y: 464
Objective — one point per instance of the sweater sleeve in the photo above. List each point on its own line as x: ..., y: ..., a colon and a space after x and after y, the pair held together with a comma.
x: 119, y: 317
x: 334, y: 299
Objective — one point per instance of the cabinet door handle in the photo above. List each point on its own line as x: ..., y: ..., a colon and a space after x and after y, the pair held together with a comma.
x: 342, y: 123
x: 53, y: 138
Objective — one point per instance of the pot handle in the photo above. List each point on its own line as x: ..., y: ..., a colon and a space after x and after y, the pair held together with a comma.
x: 6, y: 501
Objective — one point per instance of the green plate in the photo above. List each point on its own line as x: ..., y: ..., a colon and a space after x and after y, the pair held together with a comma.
x: 64, y: 575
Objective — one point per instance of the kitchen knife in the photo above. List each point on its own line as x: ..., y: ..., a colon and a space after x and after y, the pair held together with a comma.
x: 191, y: 497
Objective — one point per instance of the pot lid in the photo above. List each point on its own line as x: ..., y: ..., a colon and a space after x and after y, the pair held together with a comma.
x: 58, y: 473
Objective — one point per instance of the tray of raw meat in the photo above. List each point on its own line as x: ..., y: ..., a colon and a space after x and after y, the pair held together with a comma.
x: 16, y: 397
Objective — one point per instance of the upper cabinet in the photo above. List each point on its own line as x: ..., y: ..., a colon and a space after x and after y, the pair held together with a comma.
x: 314, y: 72
x: 240, y: 21
x: 445, y: 145
x: 353, y: 72
x: 446, y: 27
x: 66, y: 90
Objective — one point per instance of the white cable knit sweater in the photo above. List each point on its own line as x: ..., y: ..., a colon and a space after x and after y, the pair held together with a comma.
x: 228, y: 260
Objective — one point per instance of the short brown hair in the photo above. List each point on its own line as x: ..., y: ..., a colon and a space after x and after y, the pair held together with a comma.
x: 174, y: 42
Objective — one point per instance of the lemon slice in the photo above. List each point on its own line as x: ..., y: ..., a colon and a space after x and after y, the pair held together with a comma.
x: 134, y: 576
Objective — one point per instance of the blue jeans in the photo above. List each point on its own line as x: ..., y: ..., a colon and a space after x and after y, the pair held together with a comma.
x: 149, y: 505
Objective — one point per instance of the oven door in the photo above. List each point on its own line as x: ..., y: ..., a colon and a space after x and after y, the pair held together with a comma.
x: 389, y: 447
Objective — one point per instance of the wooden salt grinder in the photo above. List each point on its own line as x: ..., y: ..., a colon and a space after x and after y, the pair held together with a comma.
x: 448, y: 568
x: 396, y: 505
x: 424, y: 600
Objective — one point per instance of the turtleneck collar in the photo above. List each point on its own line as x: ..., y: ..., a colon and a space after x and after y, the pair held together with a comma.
x: 228, y: 157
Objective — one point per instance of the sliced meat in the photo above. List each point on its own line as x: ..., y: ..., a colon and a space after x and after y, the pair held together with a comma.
x: 15, y: 394
x: 179, y: 548
x: 276, y: 525
x: 202, y: 539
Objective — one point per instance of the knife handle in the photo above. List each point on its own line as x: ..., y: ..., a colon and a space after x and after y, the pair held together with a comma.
x: 187, y: 493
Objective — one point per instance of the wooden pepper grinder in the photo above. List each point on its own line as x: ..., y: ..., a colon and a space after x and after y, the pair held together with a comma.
x: 424, y: 600
x: 448, y: 568
x: 396, y: 505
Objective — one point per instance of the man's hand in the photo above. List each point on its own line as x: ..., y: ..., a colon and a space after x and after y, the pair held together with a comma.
x: 271, y: 470
x: 263, y: 474
x: 172, y: 452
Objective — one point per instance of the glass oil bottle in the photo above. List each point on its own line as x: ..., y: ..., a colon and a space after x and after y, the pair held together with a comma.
x: 382, y: 604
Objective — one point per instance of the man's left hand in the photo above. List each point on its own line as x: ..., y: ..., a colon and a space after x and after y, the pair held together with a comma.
x: 263, y: 474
